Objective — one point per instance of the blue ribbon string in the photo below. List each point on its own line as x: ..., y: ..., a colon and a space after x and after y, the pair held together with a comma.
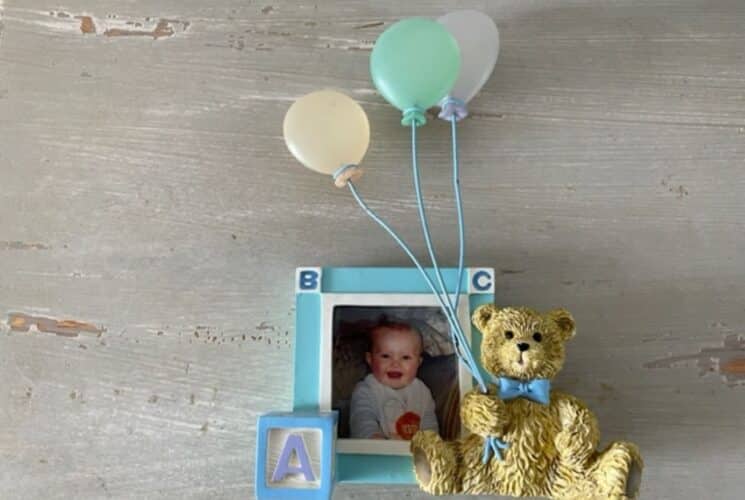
x: 459, y: 207
x: 461, y: 223
x: 449, y: 307
x: 493, y: 445
x: 452, y: 320
x: 465, y: 353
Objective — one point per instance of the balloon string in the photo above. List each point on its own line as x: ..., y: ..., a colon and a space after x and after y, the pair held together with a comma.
x: 491, y: 444
x: 459, y: 207
x: 446, y: 307
x: 462, y: 347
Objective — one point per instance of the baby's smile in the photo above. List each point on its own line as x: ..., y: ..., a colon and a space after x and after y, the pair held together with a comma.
x: 395, y: 355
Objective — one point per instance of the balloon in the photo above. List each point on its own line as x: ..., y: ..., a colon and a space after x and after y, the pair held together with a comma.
x: 478, y: 39
x: 327, y: 130
x: 414, y: 64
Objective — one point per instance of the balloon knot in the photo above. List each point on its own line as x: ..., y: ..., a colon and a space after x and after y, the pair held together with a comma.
x: 413, y: 115
x: 453, y: 107
x: 346, y: 173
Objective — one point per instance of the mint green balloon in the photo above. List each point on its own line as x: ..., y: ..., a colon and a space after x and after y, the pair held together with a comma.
x: 414, y: 64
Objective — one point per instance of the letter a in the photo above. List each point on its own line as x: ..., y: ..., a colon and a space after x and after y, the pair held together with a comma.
x: 294, y: 443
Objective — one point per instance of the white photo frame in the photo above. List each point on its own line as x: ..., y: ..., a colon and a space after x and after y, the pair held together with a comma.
x: 329, y: 302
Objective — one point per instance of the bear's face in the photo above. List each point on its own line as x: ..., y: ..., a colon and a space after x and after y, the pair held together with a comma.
x: 521, y: 343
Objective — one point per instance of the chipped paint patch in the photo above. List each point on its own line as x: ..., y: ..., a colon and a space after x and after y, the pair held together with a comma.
x: 344, y: 43
x: 22, y: 245
x: 164, y: 28
x: 679, y: 190
x: 19, y: 322
x: 317, y: 41
x: 109, y: 26
x: 264, y: 326
x: 512, y: 271
x: 728, y: 360
x: 734, y: 367
x: 368, y: 25
x: 87, y: 26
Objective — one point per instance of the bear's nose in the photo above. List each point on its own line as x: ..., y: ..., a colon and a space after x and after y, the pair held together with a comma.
x: 523, y: 346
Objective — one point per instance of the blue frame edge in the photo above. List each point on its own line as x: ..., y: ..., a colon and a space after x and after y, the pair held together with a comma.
x: 386, y: 280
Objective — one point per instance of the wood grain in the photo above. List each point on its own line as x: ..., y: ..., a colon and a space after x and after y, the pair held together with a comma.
x: 145, y: 189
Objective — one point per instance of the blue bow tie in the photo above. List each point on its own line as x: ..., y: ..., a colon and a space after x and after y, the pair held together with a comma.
x: 538, y: 390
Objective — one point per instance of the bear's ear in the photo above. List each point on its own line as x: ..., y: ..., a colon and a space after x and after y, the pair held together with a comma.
x: 564, y: 321
x: 482, y: 315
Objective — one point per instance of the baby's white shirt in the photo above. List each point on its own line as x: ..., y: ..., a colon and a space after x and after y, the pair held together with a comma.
x: 376, y: 408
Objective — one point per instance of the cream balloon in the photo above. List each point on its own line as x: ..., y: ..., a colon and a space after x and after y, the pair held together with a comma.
x: 478, y: 39
x: 327, y: 130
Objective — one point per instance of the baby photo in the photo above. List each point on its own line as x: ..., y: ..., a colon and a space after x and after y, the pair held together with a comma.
x: 394, y: 373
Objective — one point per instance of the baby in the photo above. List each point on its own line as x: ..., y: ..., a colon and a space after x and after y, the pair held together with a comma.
x: 390, y: 402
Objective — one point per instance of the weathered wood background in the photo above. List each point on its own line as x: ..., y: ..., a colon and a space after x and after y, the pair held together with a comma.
x: 151, y: 219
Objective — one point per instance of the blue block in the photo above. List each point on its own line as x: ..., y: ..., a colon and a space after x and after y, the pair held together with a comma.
x: 295, y: 455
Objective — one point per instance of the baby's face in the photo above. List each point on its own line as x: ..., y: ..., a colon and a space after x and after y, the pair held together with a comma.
x: 395, y: 357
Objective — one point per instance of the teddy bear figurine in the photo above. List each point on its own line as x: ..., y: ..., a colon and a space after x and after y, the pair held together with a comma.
x: 526, y: 439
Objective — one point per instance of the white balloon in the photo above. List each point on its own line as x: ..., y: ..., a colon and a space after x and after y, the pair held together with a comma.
x: 478, y: 39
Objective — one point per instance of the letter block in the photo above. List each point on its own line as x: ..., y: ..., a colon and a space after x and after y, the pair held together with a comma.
x: 295, y: 455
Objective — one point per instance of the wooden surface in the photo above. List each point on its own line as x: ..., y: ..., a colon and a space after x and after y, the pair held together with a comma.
x: 147, y: 198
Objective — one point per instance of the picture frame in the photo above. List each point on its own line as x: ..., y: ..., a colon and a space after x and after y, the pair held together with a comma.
x: 320, y: 291
x: 390, y: 304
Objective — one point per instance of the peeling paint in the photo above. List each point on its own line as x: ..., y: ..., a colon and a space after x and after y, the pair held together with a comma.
x: 734, y: 367
x: 368, y: 25
x: 486, y: 114
x: 162, y: 29
x: 512, y: 271
x: 20, y: 322
x: 22, y: 245
x: 112, y: 25
x: 679, y: 190
x: 728, y: 360
x: 87, y: 26
x: 321, y: 42
x: 344, y: 43
x: 264, y: 326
